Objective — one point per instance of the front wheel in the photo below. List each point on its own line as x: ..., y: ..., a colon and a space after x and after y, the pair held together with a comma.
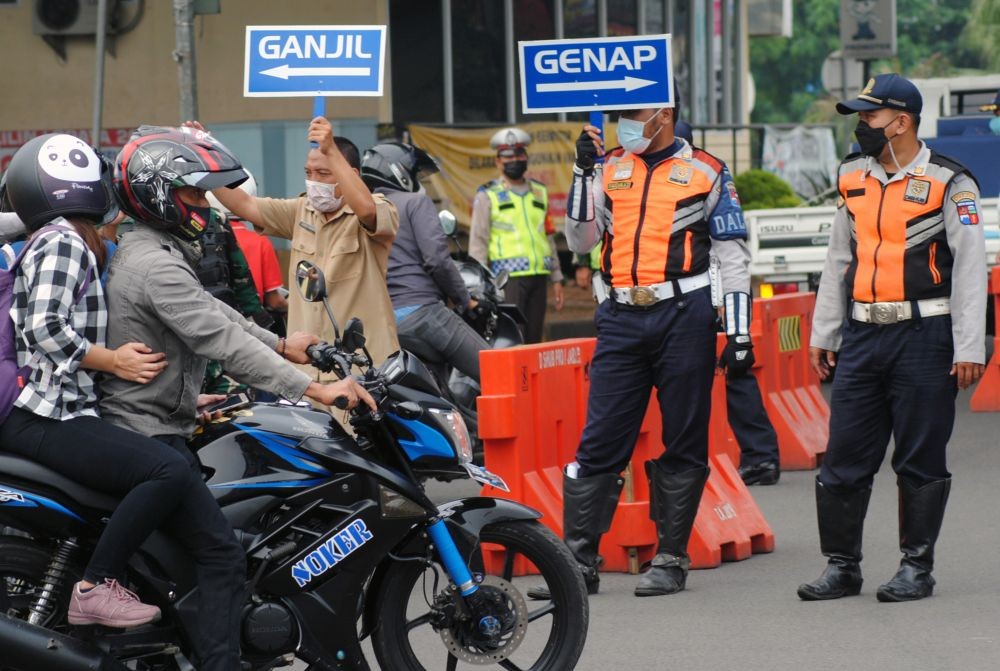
x: 422, y: 622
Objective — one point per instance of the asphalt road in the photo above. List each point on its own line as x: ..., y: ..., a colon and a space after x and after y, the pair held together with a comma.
x: 745, y: 615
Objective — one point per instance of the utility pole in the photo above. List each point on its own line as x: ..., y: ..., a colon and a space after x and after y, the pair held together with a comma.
x: 102, y: 31
x: 185, y: 57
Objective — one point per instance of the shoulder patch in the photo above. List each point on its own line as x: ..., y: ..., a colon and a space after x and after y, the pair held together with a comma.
x: 963, y: 195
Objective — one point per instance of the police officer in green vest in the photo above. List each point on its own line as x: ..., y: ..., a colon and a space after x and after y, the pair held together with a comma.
x: 511, y: 230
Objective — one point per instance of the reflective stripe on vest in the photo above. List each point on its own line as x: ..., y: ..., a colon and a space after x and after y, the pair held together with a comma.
x: 660, y: 227
x: 519, y: 243
x: 899, y: 246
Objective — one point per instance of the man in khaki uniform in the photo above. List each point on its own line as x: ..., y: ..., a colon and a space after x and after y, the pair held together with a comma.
x: 342, y: 228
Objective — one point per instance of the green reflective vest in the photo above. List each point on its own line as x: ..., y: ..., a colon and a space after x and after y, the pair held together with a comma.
x: 519, y: 243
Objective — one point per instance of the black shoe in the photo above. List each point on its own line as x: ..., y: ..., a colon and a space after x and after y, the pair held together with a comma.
x: 840, y: 516
x: 921, y: 511
x: 766, y: 473
x: 666, y: 575
x: 909, y: 584
x: 589, y: 505
x: 591, y: 578
x: 840, y: 579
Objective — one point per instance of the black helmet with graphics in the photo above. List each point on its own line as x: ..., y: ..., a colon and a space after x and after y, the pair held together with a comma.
x: 59, y: 175
x: 157, y: 161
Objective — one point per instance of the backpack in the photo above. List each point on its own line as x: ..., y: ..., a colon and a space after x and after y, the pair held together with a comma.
x: 14, y: 377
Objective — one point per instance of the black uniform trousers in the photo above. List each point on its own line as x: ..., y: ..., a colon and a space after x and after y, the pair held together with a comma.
x: 749, y: 421
x: 891, y: 381
x: 530, y: 293
x: 670, y: 346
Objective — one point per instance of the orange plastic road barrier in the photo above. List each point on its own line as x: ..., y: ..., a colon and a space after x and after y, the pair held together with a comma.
x: 789, y: 386
x: 986, y: 398
x: 531, y: 414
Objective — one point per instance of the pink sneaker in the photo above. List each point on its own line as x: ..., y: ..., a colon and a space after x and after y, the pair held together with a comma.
x: 110, y: 605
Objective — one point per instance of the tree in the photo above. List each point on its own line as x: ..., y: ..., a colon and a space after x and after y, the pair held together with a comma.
x: 929, y: 43
x: 983, y: 32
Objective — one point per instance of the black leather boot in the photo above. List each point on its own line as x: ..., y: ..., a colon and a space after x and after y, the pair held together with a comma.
x: 673, y: 505
x: 841, y: 517
x: 921, y: 511
x: 588, y: 507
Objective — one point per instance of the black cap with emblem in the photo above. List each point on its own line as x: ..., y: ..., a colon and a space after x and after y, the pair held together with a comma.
x: 888, y: 90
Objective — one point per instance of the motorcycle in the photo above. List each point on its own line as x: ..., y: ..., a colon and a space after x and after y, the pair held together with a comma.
x: 499, y: 324
x: 342, y: 543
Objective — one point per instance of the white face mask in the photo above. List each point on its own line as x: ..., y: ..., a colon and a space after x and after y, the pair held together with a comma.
x: 630, y: 134
x: 320, y: 195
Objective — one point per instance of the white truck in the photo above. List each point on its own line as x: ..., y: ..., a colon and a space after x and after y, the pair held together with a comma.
x: 788, y: 247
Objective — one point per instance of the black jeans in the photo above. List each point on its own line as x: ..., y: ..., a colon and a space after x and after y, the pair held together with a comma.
x: 201, y: 528
x: 151, y: 479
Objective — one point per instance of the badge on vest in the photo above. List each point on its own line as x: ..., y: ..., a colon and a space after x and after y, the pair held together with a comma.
x: 623, y: 170
x: 615, y: 186
x: 917, y: 191
x: 680, y: 174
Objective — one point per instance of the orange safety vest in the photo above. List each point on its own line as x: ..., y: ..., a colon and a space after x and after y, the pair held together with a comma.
x: 643, y: 247
x: 899, y: 246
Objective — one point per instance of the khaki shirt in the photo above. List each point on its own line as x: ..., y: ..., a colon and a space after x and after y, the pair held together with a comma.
x: 353, y: 261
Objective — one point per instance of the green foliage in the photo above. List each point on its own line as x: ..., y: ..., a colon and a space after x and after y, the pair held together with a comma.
x: 762, y: 190
x: 787, y: 71
x: 983, y: 33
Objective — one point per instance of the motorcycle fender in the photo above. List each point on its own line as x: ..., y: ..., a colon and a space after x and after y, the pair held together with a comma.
x: 466, y: 518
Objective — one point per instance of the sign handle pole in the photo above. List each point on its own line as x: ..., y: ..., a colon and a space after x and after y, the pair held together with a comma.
x: 597, y: 120
x: 319, y: 109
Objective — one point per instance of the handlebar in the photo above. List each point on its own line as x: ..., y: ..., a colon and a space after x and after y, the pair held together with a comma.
x: 329, y: 358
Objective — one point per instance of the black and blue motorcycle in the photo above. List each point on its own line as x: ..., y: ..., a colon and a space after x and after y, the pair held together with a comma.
x: 342, y: 544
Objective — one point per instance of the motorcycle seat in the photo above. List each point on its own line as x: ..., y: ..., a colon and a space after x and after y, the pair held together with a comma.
x: 26, y: 469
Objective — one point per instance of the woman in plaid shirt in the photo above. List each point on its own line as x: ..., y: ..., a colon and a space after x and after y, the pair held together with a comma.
x: 55, y: 186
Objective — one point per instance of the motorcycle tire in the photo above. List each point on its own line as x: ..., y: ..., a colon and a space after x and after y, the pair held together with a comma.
x: 23, y: 563
x: 568, y: 609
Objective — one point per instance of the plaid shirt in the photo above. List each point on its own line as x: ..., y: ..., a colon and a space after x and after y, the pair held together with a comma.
x: 53, y: 330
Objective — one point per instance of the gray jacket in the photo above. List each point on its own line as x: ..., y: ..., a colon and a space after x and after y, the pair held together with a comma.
x: 420, y: 269
x: 155, y: 298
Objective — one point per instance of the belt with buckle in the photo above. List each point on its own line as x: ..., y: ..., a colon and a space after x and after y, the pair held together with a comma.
x: 654, y: 293
x: 897, y: 311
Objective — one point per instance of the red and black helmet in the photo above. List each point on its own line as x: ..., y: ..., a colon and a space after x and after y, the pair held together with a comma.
x: 157, y: 160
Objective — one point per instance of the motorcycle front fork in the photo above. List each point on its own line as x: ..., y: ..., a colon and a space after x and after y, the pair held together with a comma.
x: 452, y: 559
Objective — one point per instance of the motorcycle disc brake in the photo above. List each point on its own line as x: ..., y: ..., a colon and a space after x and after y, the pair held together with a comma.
x: 511, y: 639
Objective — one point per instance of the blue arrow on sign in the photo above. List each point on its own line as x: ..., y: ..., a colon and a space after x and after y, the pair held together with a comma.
x: 314, y: 61
x: 596, y: 74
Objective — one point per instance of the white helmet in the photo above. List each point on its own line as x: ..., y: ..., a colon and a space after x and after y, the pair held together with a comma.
x: 509, y: 138
x: 249, y: 186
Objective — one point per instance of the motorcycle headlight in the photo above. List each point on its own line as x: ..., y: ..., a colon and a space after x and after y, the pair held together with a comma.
x: 454, y: 425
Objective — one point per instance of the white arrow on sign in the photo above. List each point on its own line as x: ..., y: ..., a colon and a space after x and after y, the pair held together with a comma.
x: 629, y: 84
x: 285, y: 71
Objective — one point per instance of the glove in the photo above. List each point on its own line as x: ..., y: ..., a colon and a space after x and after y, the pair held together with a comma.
x: 737, y: 356
x: 586, y: 152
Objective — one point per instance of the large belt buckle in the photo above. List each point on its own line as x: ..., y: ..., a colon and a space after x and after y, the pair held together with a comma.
x: 642, y: 296
x: 884, y: 313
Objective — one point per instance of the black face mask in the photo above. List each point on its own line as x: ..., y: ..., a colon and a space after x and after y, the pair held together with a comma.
x: 515, y: 169
x: 871, y: 140
x: 196, y: 224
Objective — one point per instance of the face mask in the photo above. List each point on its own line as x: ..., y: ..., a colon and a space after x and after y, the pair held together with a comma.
x: 995, y: 125
x: 515, y: 169
x: 871, y: 140
x: 630, y: 134
x: 196, y: 223
x: 320, y: 195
